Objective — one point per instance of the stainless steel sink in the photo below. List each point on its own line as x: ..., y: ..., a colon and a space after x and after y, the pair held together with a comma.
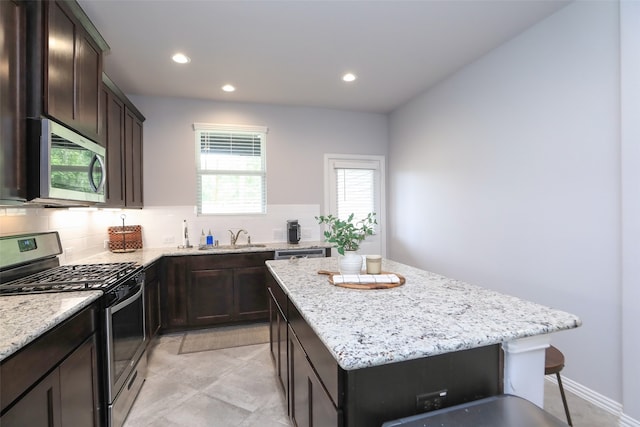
x: 227, y: 247
x: 248, y: 245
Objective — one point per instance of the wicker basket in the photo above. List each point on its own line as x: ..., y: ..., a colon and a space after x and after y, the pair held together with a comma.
x: 126, y: 238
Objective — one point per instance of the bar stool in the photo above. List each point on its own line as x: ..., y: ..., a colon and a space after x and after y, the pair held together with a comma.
x: 553, y: 364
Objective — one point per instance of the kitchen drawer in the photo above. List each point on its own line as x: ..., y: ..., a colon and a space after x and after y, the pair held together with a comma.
x: 245, y: 259
x: 321, y: 359
x: 279, y: 296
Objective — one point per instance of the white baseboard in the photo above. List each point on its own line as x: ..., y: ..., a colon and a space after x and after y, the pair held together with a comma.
x: 597, y: 399
x: 627, y: 421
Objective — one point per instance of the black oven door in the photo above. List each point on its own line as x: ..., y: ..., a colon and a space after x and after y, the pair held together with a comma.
x: 125, y: 338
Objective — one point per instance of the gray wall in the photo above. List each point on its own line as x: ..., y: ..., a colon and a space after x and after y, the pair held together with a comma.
x: 508, y: 176
x: 630, y: 155
x: 296, y: 142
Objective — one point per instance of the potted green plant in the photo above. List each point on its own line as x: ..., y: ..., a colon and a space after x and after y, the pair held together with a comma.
x: 346, y: 236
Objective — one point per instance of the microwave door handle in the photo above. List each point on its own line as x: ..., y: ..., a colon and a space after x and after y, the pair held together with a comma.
x: 97, y: 188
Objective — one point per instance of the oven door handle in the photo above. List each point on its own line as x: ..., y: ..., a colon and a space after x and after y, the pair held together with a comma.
x: 128, y: 301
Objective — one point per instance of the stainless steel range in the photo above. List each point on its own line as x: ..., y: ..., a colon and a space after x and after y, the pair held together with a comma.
x: 29, y: 264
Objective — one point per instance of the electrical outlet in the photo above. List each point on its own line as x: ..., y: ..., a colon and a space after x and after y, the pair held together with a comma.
x: 167, y: 240
x: 105, y: 244
x: 278, y: 234
x: 430, y: 401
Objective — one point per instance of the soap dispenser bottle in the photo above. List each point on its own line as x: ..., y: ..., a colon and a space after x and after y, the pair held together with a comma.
x: 209, y: 238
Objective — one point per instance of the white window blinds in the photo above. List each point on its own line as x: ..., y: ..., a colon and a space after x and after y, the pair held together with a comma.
x: 231, y: 169
x: 356, y: 189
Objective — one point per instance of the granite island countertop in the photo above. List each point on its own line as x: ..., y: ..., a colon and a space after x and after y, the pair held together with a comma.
x: 23, y: 318
x: 429, y: 315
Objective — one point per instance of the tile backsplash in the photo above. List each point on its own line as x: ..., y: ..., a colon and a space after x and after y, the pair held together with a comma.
x: 83, y: 232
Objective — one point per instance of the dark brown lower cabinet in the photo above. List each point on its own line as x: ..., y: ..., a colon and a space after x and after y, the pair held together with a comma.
x: 79, y: 386
x: 224, y: 295
x: 210, y: 297
x: 65, y: 397
x: 250, y: 293
x: 310, y: 405
x: 152, y: 301
x: 210, y: 290
x: 39, y: 407
x: 173, y: 292
x: 278, y: 331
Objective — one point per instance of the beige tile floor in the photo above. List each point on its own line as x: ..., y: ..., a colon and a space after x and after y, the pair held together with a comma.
x: 236, y: 387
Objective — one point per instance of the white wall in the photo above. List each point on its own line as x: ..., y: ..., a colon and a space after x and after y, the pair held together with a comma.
x: 630, y: 154
x: 507, y: 175
x: 297, y: 140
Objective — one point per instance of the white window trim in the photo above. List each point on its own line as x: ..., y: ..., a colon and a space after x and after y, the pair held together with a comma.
x: 353, y: 160
x: 229, y: 128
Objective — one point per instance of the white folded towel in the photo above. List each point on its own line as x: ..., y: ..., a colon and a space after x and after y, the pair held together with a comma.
x: 365, y: 278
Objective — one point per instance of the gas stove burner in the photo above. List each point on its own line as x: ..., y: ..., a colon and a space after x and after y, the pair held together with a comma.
x: 72, y: 278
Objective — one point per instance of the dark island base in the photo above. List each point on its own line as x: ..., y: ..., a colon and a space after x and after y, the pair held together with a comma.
x: 320, y: 393
x: 382, y: 393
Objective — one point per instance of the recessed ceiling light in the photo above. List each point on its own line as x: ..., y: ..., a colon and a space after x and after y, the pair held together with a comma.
x: 228, y: 88
x: 181, y: 58
x: 349, y: 77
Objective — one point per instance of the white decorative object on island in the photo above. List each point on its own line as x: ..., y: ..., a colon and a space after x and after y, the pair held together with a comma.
x: 350, y: 263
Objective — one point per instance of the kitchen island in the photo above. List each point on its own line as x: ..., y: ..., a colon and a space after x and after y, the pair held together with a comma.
x: 383, y: 354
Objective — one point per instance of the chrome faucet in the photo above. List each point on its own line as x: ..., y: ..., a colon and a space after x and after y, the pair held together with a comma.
x: 234, y: 237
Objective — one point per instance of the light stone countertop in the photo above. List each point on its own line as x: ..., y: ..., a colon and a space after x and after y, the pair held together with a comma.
x: 430, y: 314
x: 23, y: 318
x: 147, y: 256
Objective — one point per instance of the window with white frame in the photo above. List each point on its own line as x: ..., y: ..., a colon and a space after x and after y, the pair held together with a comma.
x: 231, y: 169
x: 355, y: 184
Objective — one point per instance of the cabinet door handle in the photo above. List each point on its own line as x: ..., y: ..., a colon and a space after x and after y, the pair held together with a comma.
x: 50, y: 407
x: 135, y: 375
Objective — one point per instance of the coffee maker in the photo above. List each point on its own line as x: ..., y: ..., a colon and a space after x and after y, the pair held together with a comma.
x: 293, y: 231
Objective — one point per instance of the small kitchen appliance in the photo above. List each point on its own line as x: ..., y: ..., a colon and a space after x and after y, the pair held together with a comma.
x: 293, y: 231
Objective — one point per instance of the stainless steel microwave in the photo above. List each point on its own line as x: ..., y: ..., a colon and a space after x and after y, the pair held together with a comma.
x: 72, y: 169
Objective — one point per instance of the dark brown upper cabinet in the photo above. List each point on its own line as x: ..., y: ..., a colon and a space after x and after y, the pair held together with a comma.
x: 122, y: 135
x: 68, y: 72
x: 13, y: 174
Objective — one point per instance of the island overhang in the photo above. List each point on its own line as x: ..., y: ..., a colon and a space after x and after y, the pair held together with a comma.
x: 427, y: 316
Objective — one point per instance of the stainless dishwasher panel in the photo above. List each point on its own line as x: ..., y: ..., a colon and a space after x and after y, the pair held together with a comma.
x: 301, y: 253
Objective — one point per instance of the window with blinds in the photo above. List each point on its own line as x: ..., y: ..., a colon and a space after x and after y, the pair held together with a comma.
x: 355, y: 192
x: 231, y: 169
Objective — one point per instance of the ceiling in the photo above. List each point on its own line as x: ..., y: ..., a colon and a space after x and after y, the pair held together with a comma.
x: 295, y: 52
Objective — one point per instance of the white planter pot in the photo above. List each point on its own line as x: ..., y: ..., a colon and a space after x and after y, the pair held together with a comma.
x: 350, y: 263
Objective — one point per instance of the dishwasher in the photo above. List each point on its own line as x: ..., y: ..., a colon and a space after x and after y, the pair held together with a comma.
x: 300, y: 253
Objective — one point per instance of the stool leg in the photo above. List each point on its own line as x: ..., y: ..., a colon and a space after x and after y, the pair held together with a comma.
x: 564, y: 399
